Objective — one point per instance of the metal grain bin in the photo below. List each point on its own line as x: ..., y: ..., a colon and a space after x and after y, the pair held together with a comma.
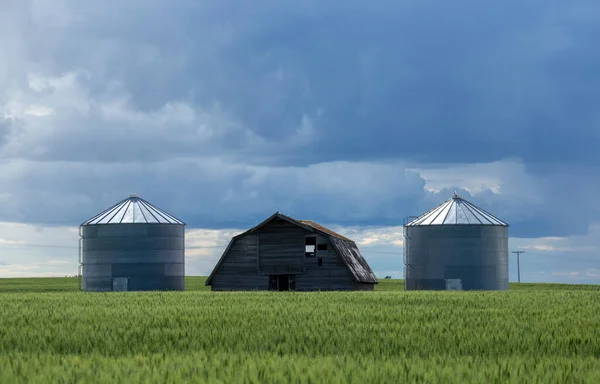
x: 456, y: 246
x: 132, y: 246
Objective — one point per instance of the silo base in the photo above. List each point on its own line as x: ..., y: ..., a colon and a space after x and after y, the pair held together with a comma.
x: 123, y: 284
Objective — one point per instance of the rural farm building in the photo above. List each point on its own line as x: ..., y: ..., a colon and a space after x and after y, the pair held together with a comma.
x: 132, y: 246
x: 283, y: 253
x: 456, y: 246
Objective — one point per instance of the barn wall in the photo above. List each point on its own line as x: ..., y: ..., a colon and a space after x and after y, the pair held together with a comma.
x: 364, y: 286
x: 281, y: 248
x: 239, y: 268
x: 276, y: 249
x: 332, y: 275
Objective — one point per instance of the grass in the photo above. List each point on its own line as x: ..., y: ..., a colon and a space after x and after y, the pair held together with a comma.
x: 196, y: 283
x: 536, y: 333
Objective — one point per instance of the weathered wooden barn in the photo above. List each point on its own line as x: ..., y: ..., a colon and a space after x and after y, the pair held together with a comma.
x: 283, y: 253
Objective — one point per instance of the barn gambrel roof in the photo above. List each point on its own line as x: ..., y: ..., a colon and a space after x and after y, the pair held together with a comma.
x: 346, y: 248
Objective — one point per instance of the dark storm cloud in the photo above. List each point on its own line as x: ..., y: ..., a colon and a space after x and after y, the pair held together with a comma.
x: 429, y: 81
x: 207, y: 194
x: 213, y: 194
x: 145, y: 96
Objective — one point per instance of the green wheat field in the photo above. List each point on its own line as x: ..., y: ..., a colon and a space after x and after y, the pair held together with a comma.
x: 50, y: 332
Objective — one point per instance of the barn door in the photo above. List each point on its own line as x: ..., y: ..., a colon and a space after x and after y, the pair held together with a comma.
x: 283, y: 283
x: 272, y: 282
x: 292, y: 282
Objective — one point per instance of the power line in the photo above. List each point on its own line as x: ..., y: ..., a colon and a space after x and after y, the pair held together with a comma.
x: 187, y: 247
x: 38, y: 246
x: 74, y: 247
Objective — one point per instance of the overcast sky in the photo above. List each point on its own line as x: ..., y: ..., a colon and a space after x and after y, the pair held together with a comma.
x: 351, y: 114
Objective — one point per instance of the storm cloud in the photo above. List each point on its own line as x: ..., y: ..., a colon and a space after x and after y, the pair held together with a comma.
x: 224, y: 112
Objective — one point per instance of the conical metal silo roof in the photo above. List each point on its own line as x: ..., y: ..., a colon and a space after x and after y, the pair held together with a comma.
x: 456, y: 211
x: 133, y: 210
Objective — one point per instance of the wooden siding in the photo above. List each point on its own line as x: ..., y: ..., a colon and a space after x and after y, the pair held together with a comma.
x: 333, y: 274
x: 277, y: 247
x: 281, y: 248
x: 364, y: 287
x: 238, y: 270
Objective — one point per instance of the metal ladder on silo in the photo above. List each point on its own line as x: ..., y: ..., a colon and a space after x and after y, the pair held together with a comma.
x: 80, y: 260
x: 406, y: 220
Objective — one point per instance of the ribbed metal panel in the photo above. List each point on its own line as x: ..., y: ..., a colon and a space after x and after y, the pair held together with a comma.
x: 456, y: 245
x: 454, y: 211
x: 151, y: 256
x: 133, y: 209
x: 476, y: 255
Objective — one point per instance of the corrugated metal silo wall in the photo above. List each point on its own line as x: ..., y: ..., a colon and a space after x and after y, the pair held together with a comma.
x: 151, y: 256
x: 478, y: 255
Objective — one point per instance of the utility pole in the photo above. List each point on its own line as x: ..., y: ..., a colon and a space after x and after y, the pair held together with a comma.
x: 518, y: 264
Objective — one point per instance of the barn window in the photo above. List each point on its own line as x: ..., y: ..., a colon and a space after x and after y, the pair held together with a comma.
x: 320, y: 262
x: 310, y: 245
x: 322, y: 247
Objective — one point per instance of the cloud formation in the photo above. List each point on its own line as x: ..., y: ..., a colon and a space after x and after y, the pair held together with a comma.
x: 223, y: 113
